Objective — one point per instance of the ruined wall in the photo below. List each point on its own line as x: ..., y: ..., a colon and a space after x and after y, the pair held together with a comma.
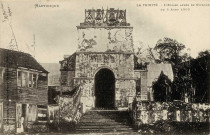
x: 88, y: 86
x: 88, y: 64
x: 144, y: 92
x: 152, y: 112
x: 105, y: 40
x: 118, y: 39
x: 141, y: 76
x: 125, y: 91
x: 147, y: 77
x: 67, y: 78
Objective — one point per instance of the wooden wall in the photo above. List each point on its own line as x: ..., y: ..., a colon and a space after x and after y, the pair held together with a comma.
x: 1, y: 117
x: 42, y: 89
x: 2, y: 72
x: 9, y: 117
x: 37, y: 95
x: 10, y: 94
x: 8, y: 87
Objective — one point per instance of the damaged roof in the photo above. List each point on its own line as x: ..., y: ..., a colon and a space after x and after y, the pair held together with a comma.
x: 68, y: 64
x: 15, y: 59
x: 139, y: 66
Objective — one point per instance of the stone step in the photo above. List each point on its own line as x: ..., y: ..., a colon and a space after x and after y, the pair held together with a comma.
x: 97, y: 120
x: 106, y: 111
x: 105, y: 116
x: 102, y: 121
x: 102, y: 130
x: 103, y: 127
x: 101, y: 113
x: 105, y: 121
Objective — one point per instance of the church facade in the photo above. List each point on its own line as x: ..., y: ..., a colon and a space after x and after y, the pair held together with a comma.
x: 104, y: 61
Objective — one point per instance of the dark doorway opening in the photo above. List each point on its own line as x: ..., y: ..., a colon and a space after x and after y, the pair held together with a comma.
x: 105, y: 89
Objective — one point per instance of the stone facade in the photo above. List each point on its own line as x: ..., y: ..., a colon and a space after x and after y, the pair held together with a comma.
x: 99, y: 39
x: 120, y: 64
x: 104, y: 42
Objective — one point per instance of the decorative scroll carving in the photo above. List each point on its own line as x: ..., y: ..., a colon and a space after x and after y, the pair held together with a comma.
x: 108, y: 17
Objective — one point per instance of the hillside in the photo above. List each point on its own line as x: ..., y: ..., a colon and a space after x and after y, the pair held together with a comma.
x: 54, y: 75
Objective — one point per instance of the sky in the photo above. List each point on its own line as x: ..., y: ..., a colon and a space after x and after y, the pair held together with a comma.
x: 56, y: 33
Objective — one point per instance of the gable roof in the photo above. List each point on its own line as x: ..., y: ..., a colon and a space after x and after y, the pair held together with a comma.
x: 15, y: 59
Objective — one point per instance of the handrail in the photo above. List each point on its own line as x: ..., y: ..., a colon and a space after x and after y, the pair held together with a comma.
x: 72, y: 92
x: 75, y: 95
x: 76, y: 102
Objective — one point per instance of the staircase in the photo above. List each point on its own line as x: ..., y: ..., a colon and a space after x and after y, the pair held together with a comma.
x: 105, y: 121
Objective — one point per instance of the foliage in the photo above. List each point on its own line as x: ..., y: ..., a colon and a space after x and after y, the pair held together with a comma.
x: 203, y: 53
x: 162, y: 88
x: 190, y: 75
x: 199, y: 73
x: 140, y: 61
x: 191, y: 80
x: 169, y: 51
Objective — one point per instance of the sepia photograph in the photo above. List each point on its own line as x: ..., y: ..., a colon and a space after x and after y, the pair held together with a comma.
x: 104, y: 67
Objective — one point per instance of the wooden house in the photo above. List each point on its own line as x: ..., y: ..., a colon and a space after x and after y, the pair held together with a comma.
x: 23, y: 91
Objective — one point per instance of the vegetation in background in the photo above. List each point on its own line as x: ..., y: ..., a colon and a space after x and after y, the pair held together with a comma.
x: 190, y: 75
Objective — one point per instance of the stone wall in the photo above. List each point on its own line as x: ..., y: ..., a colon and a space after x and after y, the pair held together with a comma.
x: 122, y: 65
x: 67, y: 78
x: 118, y: 39
x: 153, y: 112
x: 141, y: 76
x: 150, y: 75
x: 87, y: 64
x: 153, y: 73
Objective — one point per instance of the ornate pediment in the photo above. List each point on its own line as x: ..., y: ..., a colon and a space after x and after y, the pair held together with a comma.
x: 103, y: 18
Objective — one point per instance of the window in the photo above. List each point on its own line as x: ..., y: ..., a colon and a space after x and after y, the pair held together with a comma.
x: 19, y: 81
x: 26, y: 79
x: 1, y: 75
x: 24, y: 110
x: 32, y: 80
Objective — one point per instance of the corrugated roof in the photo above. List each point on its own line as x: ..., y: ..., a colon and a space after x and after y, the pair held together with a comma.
x: 15, y: 59
x: 154, y: 71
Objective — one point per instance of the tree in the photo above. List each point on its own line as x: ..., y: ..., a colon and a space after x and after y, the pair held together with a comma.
x: 169, y: 51
x: 7, y: 17
x: 140, y: 61
x: 203, y: 53
x: 162, y: 88
x: 191, y: 80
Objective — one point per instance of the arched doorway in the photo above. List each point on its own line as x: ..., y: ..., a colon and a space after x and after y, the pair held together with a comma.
x: 105, y: 89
